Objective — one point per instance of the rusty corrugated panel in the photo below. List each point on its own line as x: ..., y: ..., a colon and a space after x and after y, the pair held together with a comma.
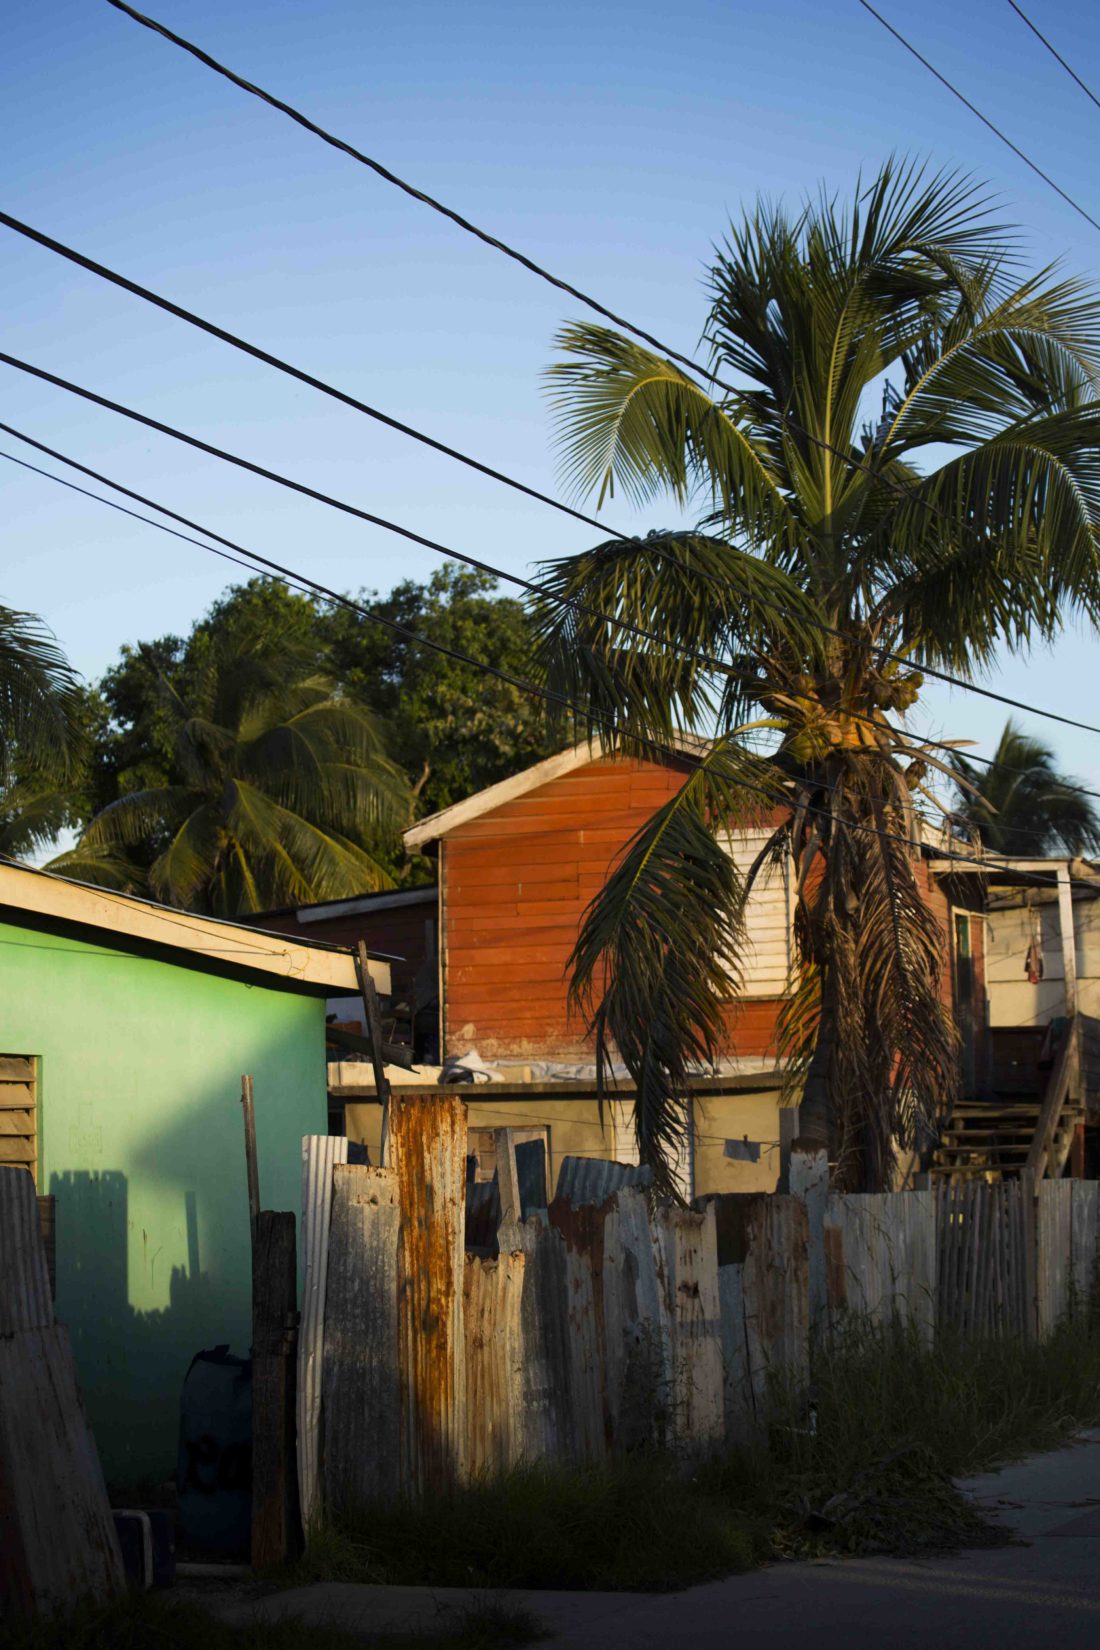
x: 428, y: 1144
x: 361, y: 1377
x: 25, y: 1299
x: 595, y: 1179
x: 687, y: 1248
x: 495, y: 1360
x: 320, y: 1154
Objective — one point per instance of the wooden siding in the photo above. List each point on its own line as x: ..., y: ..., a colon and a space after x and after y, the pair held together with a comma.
x: 403, y: 932
x: 19, y: 1112
x: 514, y: 885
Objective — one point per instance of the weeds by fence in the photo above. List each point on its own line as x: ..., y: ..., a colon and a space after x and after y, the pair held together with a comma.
x: 603, y: 1329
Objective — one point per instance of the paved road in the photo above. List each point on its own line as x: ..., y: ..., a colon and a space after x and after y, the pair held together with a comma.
x: 1044, y: 1590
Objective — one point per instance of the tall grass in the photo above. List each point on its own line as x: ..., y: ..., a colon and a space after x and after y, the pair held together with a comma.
x: 894, y: 1421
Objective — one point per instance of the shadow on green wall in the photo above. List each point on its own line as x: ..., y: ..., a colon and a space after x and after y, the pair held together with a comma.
x: 132, y: 1364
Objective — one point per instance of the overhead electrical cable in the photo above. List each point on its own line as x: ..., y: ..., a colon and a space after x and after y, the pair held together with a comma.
x: 892, y: 484
x: 955, y: 92
x: 268, y: 567
x: 408, y: 533
x: 1054, y: 52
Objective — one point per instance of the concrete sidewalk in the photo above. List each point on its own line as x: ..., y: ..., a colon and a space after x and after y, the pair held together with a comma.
x: 1043, y: 1590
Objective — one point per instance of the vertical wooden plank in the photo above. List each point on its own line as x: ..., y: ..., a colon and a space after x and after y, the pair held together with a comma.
x: 808, y: 1176
x: 373, y: 1014
x: 251, y: 1162
x: 276, y: 1530
x: 688, y: 1251
x: 739, y: 1400
x: 427, y: 1142
x: 320, y: 1154
x: 360, y: 1374
x: 1084, y: 1222
x: 637, y: 1333
x: 511, y: 1205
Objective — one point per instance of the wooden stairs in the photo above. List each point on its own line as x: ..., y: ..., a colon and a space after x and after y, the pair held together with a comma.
x: 1000, y: 1136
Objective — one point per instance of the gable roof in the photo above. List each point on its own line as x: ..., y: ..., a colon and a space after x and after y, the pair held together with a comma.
x: 687, y: 746
x: 43, y: 899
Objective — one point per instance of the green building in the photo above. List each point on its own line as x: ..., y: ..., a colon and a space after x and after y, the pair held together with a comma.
x: 125, y: 1028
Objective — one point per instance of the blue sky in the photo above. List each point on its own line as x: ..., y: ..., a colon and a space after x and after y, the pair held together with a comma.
x: 613, y: 143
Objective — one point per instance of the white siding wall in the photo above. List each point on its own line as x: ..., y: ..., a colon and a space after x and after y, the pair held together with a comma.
x: 1013, y: 1001
x: 768, y: 918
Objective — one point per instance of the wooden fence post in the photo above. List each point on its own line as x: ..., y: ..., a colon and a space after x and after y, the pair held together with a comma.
x: 511, y: 1207
x: 276, y: 1526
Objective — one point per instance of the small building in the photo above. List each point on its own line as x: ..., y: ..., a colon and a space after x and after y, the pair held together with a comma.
x: 125, y: 1028
x: 518, y: 864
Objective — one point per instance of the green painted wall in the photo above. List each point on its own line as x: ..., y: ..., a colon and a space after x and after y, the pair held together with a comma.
x: 141, y: 1140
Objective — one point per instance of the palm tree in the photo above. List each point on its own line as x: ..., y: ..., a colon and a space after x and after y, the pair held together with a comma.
x: 1021, y: 805
x: 278, y: 782
x: 40, y: 733
x: 960, y: 517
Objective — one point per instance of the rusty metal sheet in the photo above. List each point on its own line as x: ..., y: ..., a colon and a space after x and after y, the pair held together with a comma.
x: 687, y: 1248
x: 59, y: 1542
x: 595, y: 1179
x: 361, y: 1377
x: 582, y: 1233
x: 320, y: 1154
x: 495, y: 1362
x: 886, y: 1244
x: 427, y: 1145
x: 25, y: 1299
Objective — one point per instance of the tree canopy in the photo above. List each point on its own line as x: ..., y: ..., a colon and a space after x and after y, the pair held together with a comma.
x: 1021, y: 805
x: 906, y: 468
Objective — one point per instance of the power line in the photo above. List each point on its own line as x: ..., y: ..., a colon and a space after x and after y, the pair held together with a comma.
x: 892, y: 484
x: 1039, y: 35
x: 260, y: 354
x: 917, y: 741
x: 473, y: 561
x: 954, y: 90
x: 256, y: 561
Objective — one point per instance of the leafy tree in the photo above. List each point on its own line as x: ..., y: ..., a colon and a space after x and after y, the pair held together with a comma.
x: 456, y: 728
x: 40, y: 734
x: 262, y: 780
x: 818, y: 512
x: 1021, y: 805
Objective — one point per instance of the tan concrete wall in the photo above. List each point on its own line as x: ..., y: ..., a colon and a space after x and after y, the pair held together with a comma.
x: 576, y: 1131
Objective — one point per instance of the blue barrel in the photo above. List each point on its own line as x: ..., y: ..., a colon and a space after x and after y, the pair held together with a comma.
x: 214, y: 1472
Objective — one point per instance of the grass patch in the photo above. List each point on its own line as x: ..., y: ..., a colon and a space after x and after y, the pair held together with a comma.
x: 896, y: 1421
x: 152, y: 1621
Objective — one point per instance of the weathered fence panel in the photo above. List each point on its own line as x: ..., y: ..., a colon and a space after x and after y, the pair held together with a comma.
x: 361, y: 1380
x: 492, y: 1307
x: 881, y: 1257
x: 581, y: 1233
x: 985, y: 1258
x: 763, y: 1254
x: 1066, y: 1249
x: 637, y: 1328
x: 545, y: 1420
x: 427, y: 1146
x: 687, y: 1247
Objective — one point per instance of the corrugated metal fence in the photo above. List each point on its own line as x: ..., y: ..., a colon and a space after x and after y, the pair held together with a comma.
x: 623, y: 1322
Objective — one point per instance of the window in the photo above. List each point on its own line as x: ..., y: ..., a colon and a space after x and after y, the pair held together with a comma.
x: 18, y: 1111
